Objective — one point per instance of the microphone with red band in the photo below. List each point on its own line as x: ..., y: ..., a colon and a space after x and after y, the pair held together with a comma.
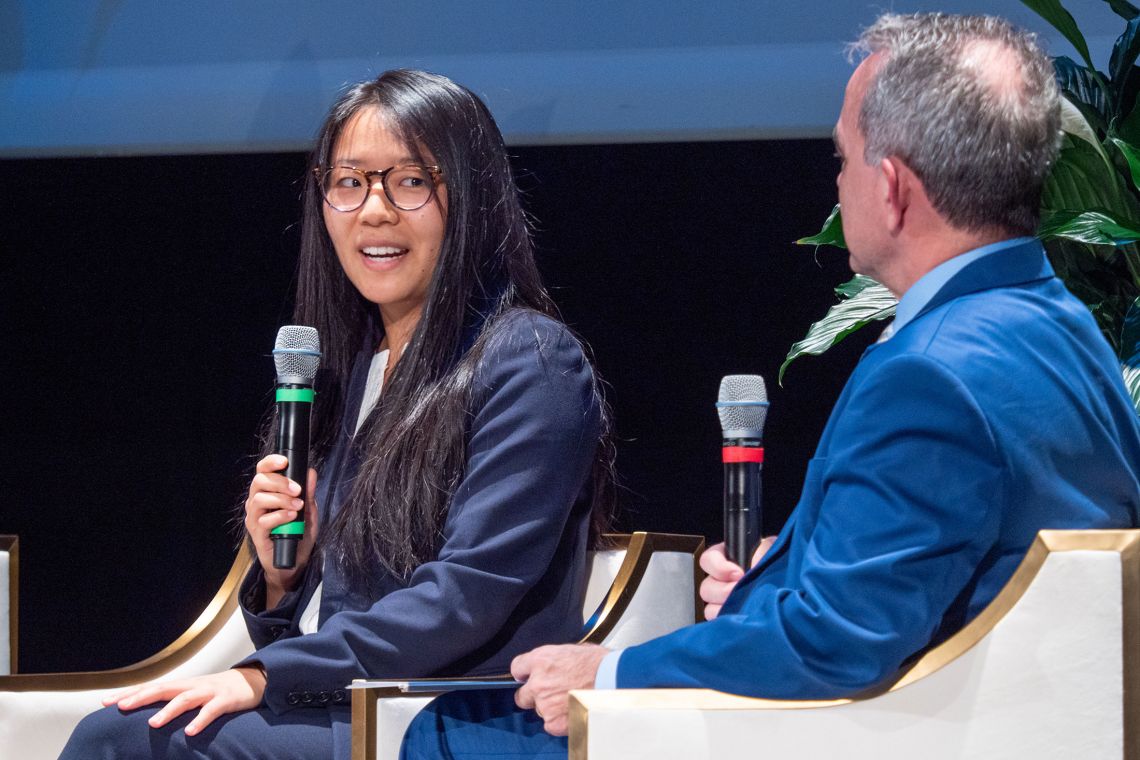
x: 296, y: 355
x: 742, y: 406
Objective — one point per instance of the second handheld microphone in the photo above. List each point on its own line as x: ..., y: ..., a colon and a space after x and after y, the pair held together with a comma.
x: 296, y: 355
x: 742, y: 406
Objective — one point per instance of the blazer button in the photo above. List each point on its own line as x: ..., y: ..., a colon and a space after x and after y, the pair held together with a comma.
x: 339, y: 696
x: 293, y: 698
x: 323, y: 697
x: 277, y: 631
x: 307, y: 698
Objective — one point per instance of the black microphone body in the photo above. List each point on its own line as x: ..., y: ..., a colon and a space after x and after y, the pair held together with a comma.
x: 296, y: 356
x: 293, y: 419
x: 743, y: 526
x: 743, y: 408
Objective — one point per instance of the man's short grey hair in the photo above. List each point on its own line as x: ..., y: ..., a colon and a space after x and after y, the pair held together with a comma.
x: 971, y: 105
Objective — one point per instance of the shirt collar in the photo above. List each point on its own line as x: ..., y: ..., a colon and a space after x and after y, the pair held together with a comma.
x: 927, y: 286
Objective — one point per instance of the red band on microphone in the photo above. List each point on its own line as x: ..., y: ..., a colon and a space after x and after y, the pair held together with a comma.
x: 733, y: 454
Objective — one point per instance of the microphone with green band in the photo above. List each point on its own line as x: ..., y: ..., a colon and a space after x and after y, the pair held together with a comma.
x: 296, y: 355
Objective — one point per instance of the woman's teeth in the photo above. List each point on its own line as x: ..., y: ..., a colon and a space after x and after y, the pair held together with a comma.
x: 383, y: 252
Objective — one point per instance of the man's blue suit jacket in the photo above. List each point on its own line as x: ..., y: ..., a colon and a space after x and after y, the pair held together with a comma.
x: 998, y: 411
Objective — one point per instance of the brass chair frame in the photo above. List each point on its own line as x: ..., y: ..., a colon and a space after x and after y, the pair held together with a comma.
x: 1126, y: 542
x: 213, y: 617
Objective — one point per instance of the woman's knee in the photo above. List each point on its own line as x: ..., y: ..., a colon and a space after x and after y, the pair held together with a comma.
x: 111, y: 733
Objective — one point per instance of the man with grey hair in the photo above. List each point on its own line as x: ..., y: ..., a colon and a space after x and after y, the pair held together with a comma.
x: 994, y: 409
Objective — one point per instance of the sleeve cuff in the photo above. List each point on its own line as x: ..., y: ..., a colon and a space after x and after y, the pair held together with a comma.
x: 252, y: 597
x: 607, y: 671
x: 266, y: 626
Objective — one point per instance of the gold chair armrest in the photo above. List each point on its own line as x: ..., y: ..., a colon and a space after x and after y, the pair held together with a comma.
x: 212, y: 619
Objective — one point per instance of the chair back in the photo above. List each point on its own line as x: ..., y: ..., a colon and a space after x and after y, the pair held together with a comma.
x: 9, y: 603
x: 641, y: 586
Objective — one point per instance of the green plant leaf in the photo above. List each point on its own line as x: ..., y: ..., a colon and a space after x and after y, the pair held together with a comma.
x: 865, y: 301
x: 830, y: 234
x: 1124, y: 54
x: 1130, y: 352
x: 1079, y: 84
x: 1128, y: 128
x: 855, y: 286
x: 1055, y: 13
x: 1132, y: 383
x: 1092, y: 227
x: 1075, y: 123
x: 1098, y: 123
x: 1132, y: 155
x: 1130, y: 336
x: 1083, y: 178
x: 1124, y: 9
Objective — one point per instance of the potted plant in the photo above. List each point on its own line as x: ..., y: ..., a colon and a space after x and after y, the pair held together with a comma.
x: 1090, y: 215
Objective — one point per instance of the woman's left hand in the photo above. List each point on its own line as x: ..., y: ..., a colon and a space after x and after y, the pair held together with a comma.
x: 216, y: 694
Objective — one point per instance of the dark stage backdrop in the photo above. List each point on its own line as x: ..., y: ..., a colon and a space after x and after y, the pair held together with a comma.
x: 139, y: 298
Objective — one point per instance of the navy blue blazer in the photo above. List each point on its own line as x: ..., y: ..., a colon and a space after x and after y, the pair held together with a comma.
x: 511, y: 570
x: 998, y: 411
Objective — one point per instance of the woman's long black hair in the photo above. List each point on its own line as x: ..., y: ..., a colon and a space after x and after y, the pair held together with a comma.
x: 413, y: 443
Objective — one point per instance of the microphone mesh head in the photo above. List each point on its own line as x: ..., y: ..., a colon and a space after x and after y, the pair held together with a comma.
x: 742, y: 404
x: 297, y: 352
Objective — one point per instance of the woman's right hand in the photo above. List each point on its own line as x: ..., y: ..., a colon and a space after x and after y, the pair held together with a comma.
x: 275, y: 500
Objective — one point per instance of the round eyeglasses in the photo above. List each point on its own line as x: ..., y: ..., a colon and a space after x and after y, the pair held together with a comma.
x: 407, y: 186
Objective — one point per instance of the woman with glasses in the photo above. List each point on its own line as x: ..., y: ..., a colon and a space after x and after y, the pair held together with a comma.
x: 459, y: 443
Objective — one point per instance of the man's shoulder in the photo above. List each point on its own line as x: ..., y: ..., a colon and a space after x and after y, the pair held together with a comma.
x: 1009, y: 319
x: 1013, y: 350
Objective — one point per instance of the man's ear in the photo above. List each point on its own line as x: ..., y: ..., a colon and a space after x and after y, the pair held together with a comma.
x: 896, y: 196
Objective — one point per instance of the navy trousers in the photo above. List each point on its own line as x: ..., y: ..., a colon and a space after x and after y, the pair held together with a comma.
x: 111, y: 734
x: 472, y: 725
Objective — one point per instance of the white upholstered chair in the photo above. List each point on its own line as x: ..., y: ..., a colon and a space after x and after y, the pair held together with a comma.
x: 643, y: 574
x: 9, y: 599
x: 644, y: 585
x: 39, y: 711
x: 1051, y: 668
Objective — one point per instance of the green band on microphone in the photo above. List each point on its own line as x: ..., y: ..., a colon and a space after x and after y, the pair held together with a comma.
x: 295, y: 394
x: 295, y: 528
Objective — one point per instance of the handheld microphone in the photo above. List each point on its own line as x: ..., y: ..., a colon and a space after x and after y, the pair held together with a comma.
x: 296, y: 354
x: 742, y: 406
